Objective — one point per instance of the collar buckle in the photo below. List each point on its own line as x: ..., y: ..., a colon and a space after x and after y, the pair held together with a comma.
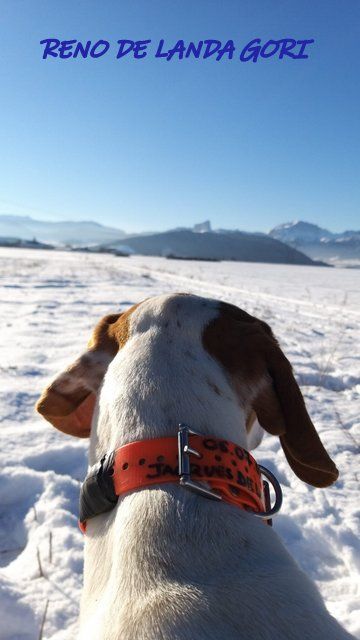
x: 185, y: 451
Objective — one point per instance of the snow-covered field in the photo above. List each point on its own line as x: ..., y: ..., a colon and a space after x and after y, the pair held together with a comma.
x: 49, y: 304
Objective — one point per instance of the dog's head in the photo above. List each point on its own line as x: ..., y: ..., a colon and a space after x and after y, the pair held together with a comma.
x: 250, y: 356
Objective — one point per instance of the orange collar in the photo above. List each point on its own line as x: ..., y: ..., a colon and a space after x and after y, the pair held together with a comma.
x: 221, y: 470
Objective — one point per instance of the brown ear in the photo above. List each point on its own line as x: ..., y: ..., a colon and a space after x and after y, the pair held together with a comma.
x: 281, y: 410
x: 69, y: 401
x: 247, y: 349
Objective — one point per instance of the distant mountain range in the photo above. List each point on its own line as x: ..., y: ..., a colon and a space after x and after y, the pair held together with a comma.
x: 290, y: 243
x: 71, y: 233
x: 319, y: 243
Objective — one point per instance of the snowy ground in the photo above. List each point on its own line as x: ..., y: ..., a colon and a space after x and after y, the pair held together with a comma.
x: 49, y: 304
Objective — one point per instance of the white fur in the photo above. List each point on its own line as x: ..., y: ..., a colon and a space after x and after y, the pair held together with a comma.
x: 255, y: 435
x: 166, y: 564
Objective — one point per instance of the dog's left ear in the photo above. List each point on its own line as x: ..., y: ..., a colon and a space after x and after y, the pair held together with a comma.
x: 281, y: 410
x: 251, y: 355
x: 68, y: 403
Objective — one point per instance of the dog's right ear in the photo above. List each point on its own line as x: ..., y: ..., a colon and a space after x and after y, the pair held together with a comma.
x: 68, y: 402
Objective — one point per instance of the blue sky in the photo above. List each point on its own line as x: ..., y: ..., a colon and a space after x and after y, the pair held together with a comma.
x: 150, y: 144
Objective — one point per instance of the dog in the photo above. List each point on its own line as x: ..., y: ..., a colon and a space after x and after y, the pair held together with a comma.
x: 166, y: 563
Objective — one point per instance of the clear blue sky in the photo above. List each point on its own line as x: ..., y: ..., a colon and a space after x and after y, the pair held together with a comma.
x: 150, y: 144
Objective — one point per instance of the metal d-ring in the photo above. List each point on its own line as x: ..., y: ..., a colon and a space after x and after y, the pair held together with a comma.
x: 267, y: 515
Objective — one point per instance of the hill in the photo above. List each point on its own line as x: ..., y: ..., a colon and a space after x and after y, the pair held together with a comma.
x: 248, y: 247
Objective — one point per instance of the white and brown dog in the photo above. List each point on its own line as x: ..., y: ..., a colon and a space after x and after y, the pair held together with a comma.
x: 166, y: 563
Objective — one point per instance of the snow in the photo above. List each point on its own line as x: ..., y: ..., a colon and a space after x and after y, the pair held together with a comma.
x: 49, y: 303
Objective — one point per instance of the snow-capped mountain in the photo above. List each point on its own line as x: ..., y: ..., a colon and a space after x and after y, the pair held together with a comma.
x: 319, y: 243
x: 57, y: 233
x: 300, y: 233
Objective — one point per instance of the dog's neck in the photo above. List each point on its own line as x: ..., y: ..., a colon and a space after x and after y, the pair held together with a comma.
x: 154, y: 383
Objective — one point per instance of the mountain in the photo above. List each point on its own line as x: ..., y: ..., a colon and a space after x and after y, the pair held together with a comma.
x: 185, y: 243
x: 342, y: 249
x: 58, y: 233
x: 293, y: 242
x: 202, y: 227
x: 300, y: 232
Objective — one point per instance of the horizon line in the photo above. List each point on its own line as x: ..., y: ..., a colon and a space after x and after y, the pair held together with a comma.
x: 167, y: 229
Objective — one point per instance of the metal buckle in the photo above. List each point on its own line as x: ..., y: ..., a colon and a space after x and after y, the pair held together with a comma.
x: 185, y: 451
x: 267, y: 515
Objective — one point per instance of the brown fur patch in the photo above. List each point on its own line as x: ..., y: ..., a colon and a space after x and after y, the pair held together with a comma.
x: 252, y: 358
x: 120, y: 329
x: 250, y: 419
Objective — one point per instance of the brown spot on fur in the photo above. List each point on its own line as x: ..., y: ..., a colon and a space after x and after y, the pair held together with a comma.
x: 260, y: 373
x: 102, y: 336
x: 120, y: 329
x: 250, y: 420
